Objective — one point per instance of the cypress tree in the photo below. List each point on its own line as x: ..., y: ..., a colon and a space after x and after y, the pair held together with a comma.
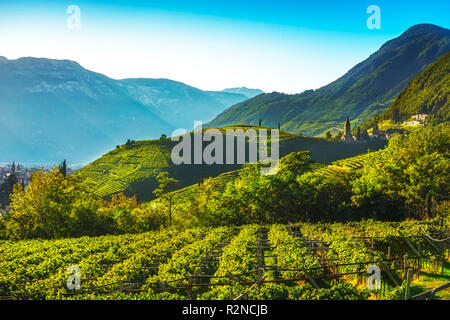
x: 63, y: 168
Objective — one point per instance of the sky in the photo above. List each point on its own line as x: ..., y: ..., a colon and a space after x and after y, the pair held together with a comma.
x: 284, y: 46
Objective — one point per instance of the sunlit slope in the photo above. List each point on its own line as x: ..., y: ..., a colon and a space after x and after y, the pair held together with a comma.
x: 343, y: 165
x: 133, y: 168
x: 427, y: 93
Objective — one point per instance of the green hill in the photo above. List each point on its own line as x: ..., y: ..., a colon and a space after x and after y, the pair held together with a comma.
x: 365, y: 91
x: 133, y: 168
x: 427, y: 93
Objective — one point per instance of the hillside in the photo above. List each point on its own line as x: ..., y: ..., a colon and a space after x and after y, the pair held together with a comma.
x: 342, y: 165
x: 56, y: 109
x: 367, y: 90
x: 427, y: 93
x: 133, y: 169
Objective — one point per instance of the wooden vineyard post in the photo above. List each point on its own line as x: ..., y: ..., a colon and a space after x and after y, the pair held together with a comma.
x: 313, y: 282
x: 189, y: 288
x: 334, y: 271
x: 419, y: 248
x: 408, y: 284
x: 405, y: 264
x: 259, y: 272
x: 387, y: 271
x: 389, y: 253
x: 409, y: 244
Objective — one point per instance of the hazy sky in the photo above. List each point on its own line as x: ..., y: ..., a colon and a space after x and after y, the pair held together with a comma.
x: 286, y: 46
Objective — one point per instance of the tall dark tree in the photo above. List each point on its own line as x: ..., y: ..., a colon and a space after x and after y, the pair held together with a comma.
x: 6, y: 188
x: 358, y: 134
x: 395, y: 115
x: 63, y: 168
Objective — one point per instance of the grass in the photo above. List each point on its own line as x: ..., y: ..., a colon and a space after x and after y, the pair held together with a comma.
x: 430, y: 279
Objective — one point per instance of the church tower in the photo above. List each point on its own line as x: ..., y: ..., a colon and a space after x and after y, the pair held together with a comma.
x: 347, y: 136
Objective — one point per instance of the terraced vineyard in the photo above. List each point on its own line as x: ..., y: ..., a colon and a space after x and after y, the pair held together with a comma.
x: 120, y: 168
x: 347, y: 165
x: 303, y: 261
x: 132, y: 168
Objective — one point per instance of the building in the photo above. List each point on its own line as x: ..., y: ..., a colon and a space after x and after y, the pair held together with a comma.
x: 377, y: 134
x: 420, y: 117
x: 417, y: 120
x: 347, y: 136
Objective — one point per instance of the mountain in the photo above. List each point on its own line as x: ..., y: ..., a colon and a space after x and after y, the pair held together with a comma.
x: 56, y: 109
x: 429, y: 93
x: 250, y: 93
x: 132, y: 168
x: 367, y: 90
x: 178, y: 103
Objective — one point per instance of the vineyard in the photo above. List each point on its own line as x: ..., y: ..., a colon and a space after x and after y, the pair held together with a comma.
x: 301, y: 261
x: 346, y: 165
x: 133, y: 168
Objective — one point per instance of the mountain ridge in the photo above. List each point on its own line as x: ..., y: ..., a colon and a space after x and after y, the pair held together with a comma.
x: 54, y: 109
x: 428, y: 93
x: 365, y: 91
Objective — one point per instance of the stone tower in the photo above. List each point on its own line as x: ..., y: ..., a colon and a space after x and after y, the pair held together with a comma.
x: 347, y: 136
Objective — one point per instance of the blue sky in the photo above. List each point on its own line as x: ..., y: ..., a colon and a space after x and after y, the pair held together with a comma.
x: 286, y: 46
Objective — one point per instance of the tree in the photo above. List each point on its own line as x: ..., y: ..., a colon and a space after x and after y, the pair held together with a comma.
x: 295, y: 163
x: 323, y: 197
x: 395, y: 117
x: 410, y: 170
x: 164, y: 191
x: 63, y: 168
x: 120, y: 208
x: 328, y: 135
x: 54, y: 207
x: 6, y: 189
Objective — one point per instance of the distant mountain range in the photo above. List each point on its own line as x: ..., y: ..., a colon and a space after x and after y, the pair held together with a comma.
x: 56, y: 109
x: 250, y: 93
x: 367, y: 90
